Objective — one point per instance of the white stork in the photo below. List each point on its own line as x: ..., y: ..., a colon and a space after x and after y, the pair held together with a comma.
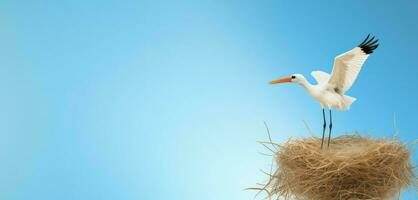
x: 330, y: 89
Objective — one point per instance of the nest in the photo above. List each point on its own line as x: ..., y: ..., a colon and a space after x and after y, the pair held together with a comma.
x: 353, y: 167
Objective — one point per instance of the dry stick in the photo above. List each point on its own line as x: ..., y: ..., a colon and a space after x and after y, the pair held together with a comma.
x: 395, y: 128
x: 268, y: 133
x: 308, y: 128
x: 264, y: 188
x: 271, y: 176
x: 264, y: 154
x: 264, y: 144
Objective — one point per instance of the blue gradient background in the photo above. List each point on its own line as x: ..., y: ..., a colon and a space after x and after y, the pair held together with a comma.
x: 166, y: 100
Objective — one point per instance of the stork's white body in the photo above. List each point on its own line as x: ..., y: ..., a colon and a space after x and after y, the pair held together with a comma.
x: 328, y: 98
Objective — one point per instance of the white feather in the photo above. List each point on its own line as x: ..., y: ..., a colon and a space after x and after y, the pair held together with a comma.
x: 320, y: 76
x: 346, y: 69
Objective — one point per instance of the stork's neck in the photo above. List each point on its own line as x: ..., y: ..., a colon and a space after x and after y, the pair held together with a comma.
x: 309, y: 87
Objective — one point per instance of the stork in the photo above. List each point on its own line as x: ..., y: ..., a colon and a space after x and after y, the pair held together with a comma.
x: 331, y: 88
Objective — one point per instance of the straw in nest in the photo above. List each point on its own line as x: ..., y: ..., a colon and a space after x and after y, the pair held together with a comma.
x: 354, y: 167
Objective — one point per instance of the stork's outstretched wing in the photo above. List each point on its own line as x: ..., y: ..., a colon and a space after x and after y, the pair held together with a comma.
x: 348, y: 65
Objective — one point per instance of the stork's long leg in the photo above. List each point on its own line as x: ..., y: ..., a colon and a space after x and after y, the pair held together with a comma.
x: 323, y: 129
x: 330, y: 127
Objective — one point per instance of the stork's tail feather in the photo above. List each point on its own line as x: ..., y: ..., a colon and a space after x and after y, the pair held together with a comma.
x: 348, y: 101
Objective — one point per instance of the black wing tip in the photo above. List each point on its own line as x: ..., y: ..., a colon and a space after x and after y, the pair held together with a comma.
x: 369, y: 45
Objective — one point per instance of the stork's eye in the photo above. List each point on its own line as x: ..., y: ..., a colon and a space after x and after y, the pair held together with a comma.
x: 293, y: 77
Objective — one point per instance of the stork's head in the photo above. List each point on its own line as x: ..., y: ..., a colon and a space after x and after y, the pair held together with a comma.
x: 294, y: 78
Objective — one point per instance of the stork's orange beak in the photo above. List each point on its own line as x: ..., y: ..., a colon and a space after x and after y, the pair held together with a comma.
x: 282, y: 80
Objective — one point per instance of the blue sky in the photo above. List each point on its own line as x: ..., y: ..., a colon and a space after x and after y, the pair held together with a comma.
x: 166, y: 99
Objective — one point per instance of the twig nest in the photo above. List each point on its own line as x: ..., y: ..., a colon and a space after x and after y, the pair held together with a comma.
x: 353, y: 167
